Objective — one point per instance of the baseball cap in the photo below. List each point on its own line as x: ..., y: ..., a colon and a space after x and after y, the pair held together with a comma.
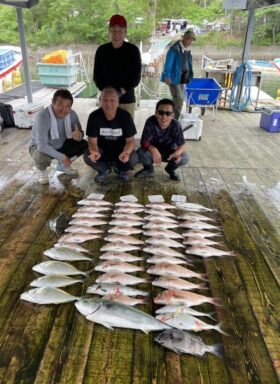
x: 117, y: 20
x: 189, y: 33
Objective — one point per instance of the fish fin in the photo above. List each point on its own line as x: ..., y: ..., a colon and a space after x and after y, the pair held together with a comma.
x: 108, y: 325
x: 145, y: 331
x: 217, y: 350
x: 87, y: 273
x: 219, y: 329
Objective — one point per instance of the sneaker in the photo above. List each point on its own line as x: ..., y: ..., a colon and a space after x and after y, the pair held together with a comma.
x: 102, y: 176
x: 172, y: 173
x: 145, y: 172
x: 42, y: 177
x: 67, y: 170
x: 122, y: 175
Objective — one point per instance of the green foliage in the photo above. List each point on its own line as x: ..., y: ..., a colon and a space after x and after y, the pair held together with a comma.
x: 8, y: 25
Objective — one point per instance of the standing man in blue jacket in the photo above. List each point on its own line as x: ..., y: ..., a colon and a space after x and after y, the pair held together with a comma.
x: 178, y: 69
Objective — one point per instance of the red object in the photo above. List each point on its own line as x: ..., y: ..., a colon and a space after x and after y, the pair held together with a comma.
x: 117, y: 20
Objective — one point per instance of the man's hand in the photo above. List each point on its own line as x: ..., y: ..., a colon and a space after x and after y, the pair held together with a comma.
x: 94, y: 156
x: 176, y: 157
x: 66, y: 161
x: 124, y: 157
x: 156, y: 155
x: 168, y: 81
x: 76, y: 134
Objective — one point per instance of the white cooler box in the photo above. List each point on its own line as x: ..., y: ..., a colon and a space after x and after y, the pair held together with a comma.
x: 192, y: 126
x: 25, y: 114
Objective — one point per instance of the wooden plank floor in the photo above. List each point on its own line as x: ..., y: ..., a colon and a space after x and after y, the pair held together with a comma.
x: 234, y: 169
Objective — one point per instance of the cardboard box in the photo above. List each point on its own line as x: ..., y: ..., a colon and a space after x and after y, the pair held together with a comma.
x: 270, y: 119
x: 25, y: 114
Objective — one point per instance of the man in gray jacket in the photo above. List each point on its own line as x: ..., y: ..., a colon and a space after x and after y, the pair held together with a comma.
x: 57, y: 134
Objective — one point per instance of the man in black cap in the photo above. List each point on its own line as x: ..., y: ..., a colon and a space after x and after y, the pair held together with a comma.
x: 178, y: 69
x: 118, y: 64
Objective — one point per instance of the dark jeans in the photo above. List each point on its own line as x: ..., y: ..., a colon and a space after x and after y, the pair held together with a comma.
x: 108, y: 159
x: 146, y: 158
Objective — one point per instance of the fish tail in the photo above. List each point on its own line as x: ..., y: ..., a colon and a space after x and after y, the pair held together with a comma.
x: 144, y: 300
x: 87, y: 273
x: 210, y: 315
x: 203, y: 286
x: 219, y: 329
x: 215, y: 301
x: 203, y: 277
x: 217, y: 350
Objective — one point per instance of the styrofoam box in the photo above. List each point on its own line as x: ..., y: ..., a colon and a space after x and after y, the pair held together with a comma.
x: 194, y: 132
x: 25, y: 114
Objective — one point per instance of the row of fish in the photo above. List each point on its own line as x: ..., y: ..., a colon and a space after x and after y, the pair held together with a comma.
x: 116, y: 282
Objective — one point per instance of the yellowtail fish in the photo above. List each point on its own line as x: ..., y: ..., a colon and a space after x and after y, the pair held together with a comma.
x: 58, y: 268
x: 65, y: 254
x: 47, y: 295
x: 55, y: 281
x: 73, y: 246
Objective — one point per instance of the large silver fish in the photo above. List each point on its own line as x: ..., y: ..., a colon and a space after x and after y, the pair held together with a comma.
x: 120, y: 256
x: 126, y: 222
x: 206, y: 251
x: 64, y: 254
x: 119, y: 247
x: 116, y: 238
x: 164, y: 242
x: 192, y: 207
x: 123, y: 230
x: 163, y: 251
x: 124, y: 299
x: 181, y: 308
x: 176, y: 296
x: 58, y: 268
x: 173, y: 282
x: 184, y: 342
x: 194, y: 224
x: 117, y: 266
x: 163, y: 233
x: 188, y: 322
x: 88, y: 221
x: 72, y: 246
x: 47, y: 295
x: 166, y: 269
x: 107, y: 288
x: 120, y: 278
x: 112, y: 314
x: 55, y: 281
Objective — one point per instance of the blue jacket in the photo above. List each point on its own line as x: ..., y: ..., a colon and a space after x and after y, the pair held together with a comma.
x: 173, y: 65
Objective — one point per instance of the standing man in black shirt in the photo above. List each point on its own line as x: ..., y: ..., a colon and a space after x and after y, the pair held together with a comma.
x: 118, y: 64
x: 162, y: 141
x: 110, y: 132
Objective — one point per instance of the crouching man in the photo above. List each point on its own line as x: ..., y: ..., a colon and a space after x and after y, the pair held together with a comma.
x: 57, y: 134
x: 110, y: 132
x: 162, y: 141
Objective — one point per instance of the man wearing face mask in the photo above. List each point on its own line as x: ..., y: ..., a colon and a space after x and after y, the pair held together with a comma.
x: 162, y: 141
x: 117, y: 64
x: 178, y: 69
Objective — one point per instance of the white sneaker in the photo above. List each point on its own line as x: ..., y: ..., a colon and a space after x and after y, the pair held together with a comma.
x: 42, y: 177
x: 67, y: 170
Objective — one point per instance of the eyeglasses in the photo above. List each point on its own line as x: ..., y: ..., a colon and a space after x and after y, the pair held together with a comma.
x: 167, y: 113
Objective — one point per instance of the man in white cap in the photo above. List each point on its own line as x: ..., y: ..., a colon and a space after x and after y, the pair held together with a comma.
x: 118, y: 64
x: 178, y: 69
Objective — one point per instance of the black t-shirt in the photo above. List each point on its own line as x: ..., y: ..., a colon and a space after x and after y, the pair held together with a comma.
x: 164, y: 140
x: 111, y: 134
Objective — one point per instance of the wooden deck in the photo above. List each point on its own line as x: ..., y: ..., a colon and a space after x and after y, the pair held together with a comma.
x: 234, y: 169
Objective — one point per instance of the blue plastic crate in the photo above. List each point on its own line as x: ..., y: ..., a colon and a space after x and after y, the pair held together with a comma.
x: 6, y: 58
x: 270, y: 119
x: 57, y: 74
x: 203, y: 92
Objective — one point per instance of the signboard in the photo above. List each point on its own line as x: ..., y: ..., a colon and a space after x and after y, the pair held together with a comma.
x: 20, y: 3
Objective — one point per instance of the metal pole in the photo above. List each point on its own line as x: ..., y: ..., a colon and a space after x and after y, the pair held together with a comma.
x: 24, y: 55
